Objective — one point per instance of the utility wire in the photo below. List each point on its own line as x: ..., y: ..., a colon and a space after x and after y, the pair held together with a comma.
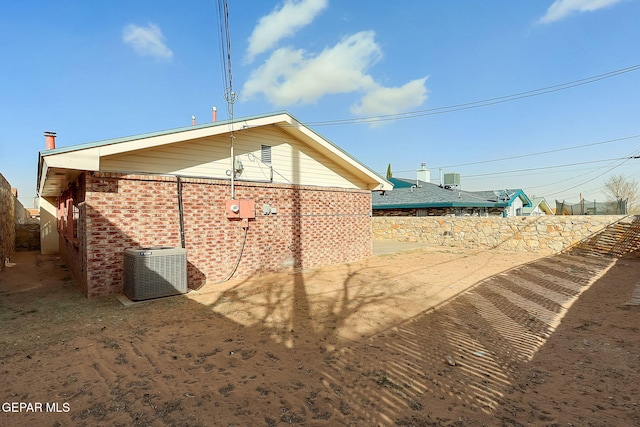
x: 478, y: 104
x: 546, y: 167
x: 222, y: 24
x: 577, y: 176
x: 611, y: 166
x: 631, y: 156
x: 540, y: 152
x: 575, y: 147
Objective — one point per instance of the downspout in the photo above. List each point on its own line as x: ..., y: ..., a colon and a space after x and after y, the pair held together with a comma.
x: 181, y: 211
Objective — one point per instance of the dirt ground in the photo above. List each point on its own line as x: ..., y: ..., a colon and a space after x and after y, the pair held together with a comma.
x: 429, y: 337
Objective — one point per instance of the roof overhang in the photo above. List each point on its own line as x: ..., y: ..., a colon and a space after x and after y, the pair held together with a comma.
x: 333, y: 152
x: 526, y: 201
x: 58, y: 167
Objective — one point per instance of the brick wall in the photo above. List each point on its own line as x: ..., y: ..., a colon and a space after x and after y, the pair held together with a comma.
x: 313, y: 226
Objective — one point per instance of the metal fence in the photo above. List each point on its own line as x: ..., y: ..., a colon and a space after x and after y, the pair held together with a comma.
x: 585, y: 207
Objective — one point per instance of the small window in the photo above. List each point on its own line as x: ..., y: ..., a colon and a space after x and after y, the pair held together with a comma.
x: 265, y: 152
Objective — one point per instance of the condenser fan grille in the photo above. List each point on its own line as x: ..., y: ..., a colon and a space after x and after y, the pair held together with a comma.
x: 154, y: 272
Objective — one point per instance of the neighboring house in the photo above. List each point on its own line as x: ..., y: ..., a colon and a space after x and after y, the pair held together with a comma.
x: 421, y: 198
x: 34, y: 213
x: 303, y: 202
x: 539, y: 207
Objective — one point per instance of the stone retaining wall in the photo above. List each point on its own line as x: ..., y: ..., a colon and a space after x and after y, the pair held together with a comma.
x: 7, y: 222
x: 519, y: 234
x: 28, y: 236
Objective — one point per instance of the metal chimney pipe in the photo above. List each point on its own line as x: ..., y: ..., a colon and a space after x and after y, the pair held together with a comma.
x: 214, y: 114
x: 50, y: 140
x: 193, y: 120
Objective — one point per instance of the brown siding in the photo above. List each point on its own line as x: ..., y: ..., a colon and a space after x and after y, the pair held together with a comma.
x: 313, y: 226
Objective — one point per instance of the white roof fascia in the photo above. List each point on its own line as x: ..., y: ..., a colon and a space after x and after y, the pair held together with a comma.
x: 82, y: 160
x: 76, y: 160
x: 44, y: 168
x: 335, y: 153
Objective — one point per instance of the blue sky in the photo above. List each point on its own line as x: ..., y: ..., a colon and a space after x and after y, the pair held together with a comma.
x: 104, y: 69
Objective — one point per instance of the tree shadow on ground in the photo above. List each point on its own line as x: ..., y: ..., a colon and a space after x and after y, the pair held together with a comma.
x: 290, y: 349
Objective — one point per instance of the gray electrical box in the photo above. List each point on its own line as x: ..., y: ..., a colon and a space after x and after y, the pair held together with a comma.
x: 154, y: 272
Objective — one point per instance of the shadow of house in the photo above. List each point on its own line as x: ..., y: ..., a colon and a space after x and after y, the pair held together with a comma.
x: 310, y: 200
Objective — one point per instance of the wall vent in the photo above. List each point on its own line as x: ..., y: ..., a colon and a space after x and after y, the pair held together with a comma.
x: 265, y: 153
x: 154, y: 272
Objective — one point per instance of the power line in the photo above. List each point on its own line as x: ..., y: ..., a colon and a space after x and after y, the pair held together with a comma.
x: 541, y: 152
x: 477, y: 104
x: 578, y: 176
x: 625, y: 159
x: 222, y: 26
x: 631, y: 156
x: 229, y: 95
x: 545, y: 167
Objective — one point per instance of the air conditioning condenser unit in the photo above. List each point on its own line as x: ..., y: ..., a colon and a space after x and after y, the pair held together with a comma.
x: 154, y: 272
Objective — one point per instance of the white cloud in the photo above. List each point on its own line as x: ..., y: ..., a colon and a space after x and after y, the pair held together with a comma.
x: 294, y: 77
x: 291, y: 77
x: 392, y: 100
x: 147, y: 41
x: 560, y: 9
x: 281, y: 23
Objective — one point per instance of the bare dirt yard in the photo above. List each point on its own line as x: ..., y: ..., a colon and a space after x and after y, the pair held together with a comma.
x: 429, y: 337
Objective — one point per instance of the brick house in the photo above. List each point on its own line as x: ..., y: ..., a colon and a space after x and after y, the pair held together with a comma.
x: 302, y: 201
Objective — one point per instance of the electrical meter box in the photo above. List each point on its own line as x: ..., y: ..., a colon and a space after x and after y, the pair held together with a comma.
x: 240, y: 209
